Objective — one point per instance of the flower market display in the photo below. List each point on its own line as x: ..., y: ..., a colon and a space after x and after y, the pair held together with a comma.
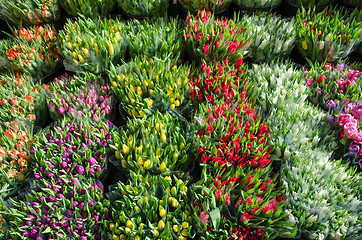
x: 159, y: 38
x: 317, y: 44
x: 29, y: 12
x: 33, y: 50
x: 90, y: 45
x: 77, y: 97
x: 161, y: 120
x: 92, y: 8
x: 214, y: 39
x: 272, y: 37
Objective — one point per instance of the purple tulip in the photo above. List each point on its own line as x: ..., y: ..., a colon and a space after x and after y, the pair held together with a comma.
x: 80, y: 226
x: 61, y: 110
x: 26, y: 234
x: 104, y: 143
x: 51, y: 199
x: 60, y: 196
x: 37, y: 176
x: 92, y: 161
x: 64, y: 225
x: 81, y: 205
x: 95, y: 118
x: 319, y: 91
x: 354, y: 148
x: 91, y: 204
x: 96, y: 227
x: 92, y: 171
x: 83, y: 238
x: 64, y: 165
x: 76, y: 231
x: 29, y: 223
x: 84, y: 215
x: 98, y: 169
x: 33, y: 233
x: 96, y: 218
x: 80, y: 169
x: 50, y: 174
x: 89, y: 142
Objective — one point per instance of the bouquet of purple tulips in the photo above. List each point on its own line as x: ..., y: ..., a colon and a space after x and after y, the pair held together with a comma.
x: 86, y: 96
x: 72, y: 148
x: 76, y: 210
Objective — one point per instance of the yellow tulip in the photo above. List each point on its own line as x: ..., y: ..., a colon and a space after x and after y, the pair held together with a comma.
x: 304, y: 45
x: 125, y: 148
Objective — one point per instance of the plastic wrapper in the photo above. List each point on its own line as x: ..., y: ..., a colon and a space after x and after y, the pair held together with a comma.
x: 160, y: 201
x: 207, y: 5
x: 148, y: 84
x: 73, y: 147
x: 257, y: 4
x: 14, y: 156
x: 76, y: 212
x: 88, y: 8
x: 327, y: 36
x: 85, y: 96
x: 29, y: 12
x: 90, y: 45
x: 32, y: 50
x: 144, y: 8
x: 157, y: 144
x: 161, y: 38
x: 22, y: 100
x: 272, y: 37
x: 214, y: 40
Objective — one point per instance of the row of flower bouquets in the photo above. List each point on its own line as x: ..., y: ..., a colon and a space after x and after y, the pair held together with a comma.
x: 95, y: 45
x: 39, y: 11
x: 179, y: 123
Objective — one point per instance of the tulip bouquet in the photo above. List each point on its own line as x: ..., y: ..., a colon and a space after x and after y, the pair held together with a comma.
x: 147, y: 84
x: 208, y: 5
x: 348, y: 126
x: 218, y: 147
x: 90, y: 45
x: 90, y: 8
x: 29, y: 12
x: 74, y: 209
x: 271, y: 36
x: 14, y: 156
x: 241, y: 205
x: 213, y: 82
x: 72, y: 148
x: 328, y: 35
x: 312, y: 205
x: 156, y: 144
x: 159, y: 38
x: 80, y: 96
x: 257, y: 4
x: 214, y: 39
x: 33, y: 51
x: 151, y: 207
x: 333, y: 85
x: 144, y: 8
x: 22, y: 100
x: 310, y: 3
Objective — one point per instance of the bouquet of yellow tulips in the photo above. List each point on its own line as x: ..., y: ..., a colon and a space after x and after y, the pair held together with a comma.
x: 90, y: 45
x: 146, y: 84
x: 156, y: 144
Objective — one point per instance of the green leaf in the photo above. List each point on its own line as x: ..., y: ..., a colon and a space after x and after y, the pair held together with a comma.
x: 215, y: 217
